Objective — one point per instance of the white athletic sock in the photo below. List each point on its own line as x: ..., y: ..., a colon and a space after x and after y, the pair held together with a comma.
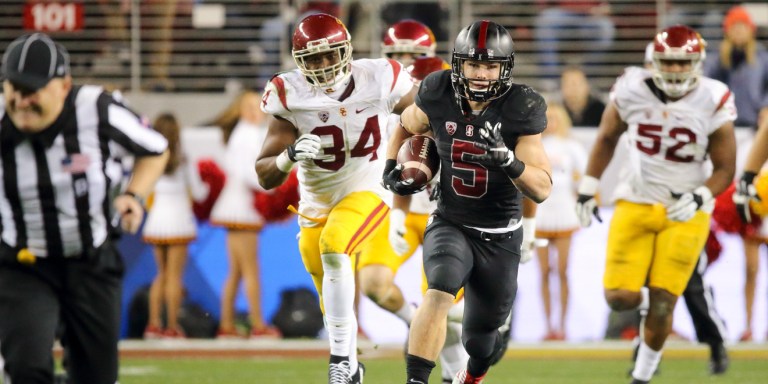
x: 453, y: 356
x: 353, y: 348
x: 456, y: 313
x: 644, y: 302
x: 406, y: 312
x: 647, y: 362
x: 339, y: 301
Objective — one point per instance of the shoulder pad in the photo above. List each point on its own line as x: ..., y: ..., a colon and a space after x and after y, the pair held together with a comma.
x: 525, y: 109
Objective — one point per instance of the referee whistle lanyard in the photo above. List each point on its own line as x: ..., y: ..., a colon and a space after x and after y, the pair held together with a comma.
x: 26, y: 257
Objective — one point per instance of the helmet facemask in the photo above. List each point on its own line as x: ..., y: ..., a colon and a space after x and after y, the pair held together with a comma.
x: 677, y: 84
x: 495, y: 88
x: 327, y: 76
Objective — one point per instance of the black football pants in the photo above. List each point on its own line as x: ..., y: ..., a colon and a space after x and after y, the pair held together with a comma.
x: 83, y: 294
x: 456, y: 256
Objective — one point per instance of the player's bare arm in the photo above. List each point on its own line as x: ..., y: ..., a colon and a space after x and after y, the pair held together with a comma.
x: 722, y: 153
x: 281, y: 134
x: 536, y: 181
x: 405, y: 101
x: 413, y: 122
x: 758, y: 153
x: 608, y: 135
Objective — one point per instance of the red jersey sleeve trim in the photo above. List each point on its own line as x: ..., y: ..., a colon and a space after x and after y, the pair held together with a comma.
x: 280, y: 87
x: 723, y: 100
x: 396, y: 69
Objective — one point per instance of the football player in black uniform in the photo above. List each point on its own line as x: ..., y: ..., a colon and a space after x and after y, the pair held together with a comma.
x: 488, y: 133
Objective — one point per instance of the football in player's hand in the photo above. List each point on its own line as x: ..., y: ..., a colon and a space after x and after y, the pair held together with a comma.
x: 420, y: 161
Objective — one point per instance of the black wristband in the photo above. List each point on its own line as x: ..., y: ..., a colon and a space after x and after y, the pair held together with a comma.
x: 515, y: 169
x: 749, y: 176
x: 134, y: 196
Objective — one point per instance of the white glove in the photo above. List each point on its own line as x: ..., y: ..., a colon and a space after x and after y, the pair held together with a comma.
x: 529, y: 237
x: 397, y: 231
x: 688, y: 203
x: 586, y: 205
x: 306, y: 147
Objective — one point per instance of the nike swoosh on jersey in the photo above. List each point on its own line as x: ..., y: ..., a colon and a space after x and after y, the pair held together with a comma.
x: 360, y: 110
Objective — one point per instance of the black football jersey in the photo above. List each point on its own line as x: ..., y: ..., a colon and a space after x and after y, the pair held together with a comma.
x: 473, y: 194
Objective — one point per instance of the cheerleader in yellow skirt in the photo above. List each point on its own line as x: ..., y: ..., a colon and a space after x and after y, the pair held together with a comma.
x: 170, y: 227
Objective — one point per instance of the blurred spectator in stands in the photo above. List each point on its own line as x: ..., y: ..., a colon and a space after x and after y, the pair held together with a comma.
x: 116, y: 13
x: 244, y: 129
x: 584, y: 109
x: 742, y: 63
x: 704, y: 16
x: 585, y: 26
x: 170, y: 227
x: 556, y: 218
x: 280, y: 29
x: 159, y: 17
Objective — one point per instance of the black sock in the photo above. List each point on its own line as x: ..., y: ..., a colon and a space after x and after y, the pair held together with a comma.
x: 338, y: 359
x: 418, y: 369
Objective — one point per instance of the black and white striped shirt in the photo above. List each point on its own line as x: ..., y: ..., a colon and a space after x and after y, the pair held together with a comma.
x: 55, y: 196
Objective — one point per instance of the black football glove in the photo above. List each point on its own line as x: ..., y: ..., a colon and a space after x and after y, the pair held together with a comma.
x: 745, y: 191
x: 391, y: 179
x: 496, y: 152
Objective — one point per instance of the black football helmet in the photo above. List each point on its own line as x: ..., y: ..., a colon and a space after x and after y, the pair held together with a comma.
x: 483, y: 41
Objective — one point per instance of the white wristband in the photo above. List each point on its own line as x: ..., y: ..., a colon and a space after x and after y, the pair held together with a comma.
x: 529, y: 225
x: 589, y: 185
x: 397, y: 216
x: 705, y: 193
x: 283, y: 163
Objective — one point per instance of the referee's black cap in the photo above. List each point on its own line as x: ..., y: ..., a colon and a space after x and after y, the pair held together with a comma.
x: 31, y: 61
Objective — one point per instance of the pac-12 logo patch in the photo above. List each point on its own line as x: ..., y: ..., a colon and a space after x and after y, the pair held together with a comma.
x: 450, y: 127
x: 323, y: 115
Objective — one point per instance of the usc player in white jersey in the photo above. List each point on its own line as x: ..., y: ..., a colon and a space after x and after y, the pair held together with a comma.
x: 675, y: 119
x: 329, y: 118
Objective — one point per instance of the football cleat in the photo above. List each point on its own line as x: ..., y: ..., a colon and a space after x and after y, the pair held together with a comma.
x: 339, y: 373
x: 357, y: 378
x: 463, y: 377
x: 718, y: 360
x: 636, y: 381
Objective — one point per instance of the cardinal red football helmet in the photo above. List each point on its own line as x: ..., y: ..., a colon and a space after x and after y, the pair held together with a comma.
x: 423, y: 66
x: 678, y: 43
x: 321, y: 33
x: 409, y: 36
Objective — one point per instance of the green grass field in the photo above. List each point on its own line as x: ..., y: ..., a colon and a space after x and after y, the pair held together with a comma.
x: 391, y: 370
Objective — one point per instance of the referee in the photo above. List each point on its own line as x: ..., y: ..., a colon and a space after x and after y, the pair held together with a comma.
x: 60, y: 147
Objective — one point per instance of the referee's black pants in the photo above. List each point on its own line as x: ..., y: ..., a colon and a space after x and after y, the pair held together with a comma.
x: 83, y: 294
x: 700, y: 303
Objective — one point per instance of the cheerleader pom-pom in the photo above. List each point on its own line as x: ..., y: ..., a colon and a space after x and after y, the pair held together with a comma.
x: 212, y: 175
x: 713, y: 248
x: 273, y: 204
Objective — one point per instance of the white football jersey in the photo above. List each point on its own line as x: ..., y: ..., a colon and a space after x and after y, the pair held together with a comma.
x: 352, y: 130
x: 667, y: 141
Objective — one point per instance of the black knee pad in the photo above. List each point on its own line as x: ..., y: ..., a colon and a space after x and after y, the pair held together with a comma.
x: 444, y: 277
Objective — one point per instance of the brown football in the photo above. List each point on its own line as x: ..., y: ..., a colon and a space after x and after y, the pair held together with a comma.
x: 420, y: 161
